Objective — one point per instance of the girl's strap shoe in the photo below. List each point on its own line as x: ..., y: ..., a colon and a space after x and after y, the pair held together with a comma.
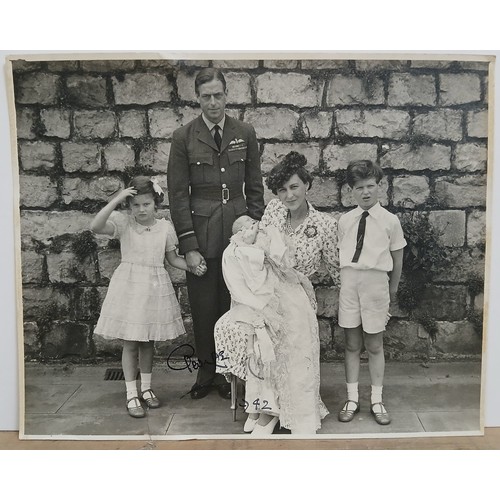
x: 136, y: 410
x: 149, y: 397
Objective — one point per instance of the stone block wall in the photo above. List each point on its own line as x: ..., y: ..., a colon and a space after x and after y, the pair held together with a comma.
x: 81, y: 124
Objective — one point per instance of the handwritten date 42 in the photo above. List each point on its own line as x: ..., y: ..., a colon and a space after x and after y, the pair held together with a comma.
x: 257, y: 405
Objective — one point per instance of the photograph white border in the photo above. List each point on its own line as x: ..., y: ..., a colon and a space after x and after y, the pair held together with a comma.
x: 263, y: 55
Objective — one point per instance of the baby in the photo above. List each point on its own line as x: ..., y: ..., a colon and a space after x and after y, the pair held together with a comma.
x: 257, y: 260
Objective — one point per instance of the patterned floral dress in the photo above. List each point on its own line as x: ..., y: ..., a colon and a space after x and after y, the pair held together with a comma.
x: 141, y: 304
x: 290, y: 384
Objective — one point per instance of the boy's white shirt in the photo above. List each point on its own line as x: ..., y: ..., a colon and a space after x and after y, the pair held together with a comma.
x: 383, y: 235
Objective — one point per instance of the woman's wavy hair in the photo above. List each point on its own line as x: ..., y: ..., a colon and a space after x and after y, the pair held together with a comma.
x: 144, y: 185
x: 293, y: 163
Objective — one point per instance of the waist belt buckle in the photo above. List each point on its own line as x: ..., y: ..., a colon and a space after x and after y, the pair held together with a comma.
x: 225, y: 195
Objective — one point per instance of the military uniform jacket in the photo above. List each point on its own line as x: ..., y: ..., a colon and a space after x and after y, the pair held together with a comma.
x: 209, y: 189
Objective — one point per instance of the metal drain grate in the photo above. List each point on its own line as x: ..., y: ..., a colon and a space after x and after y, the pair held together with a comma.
x: 116, y: 374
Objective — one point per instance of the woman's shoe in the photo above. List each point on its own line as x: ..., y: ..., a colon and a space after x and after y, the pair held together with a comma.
x: 136, y: 411
x: 250, y: 424
x: 381, y: 417
x: 345, y: 414
x: 149, y: 397
x: 265, y: 430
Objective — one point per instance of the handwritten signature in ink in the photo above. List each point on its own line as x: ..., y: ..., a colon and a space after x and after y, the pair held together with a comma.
x: 186, y: 353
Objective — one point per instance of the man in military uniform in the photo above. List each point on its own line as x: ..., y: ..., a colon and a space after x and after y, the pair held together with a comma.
x: 213, y: 177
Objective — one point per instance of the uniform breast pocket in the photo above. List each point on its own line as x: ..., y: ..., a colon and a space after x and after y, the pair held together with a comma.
x: 237, y: 162
x: 198, y: 164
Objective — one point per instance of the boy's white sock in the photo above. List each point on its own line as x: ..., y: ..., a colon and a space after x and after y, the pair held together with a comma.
x: 145, y: 381
x: 352, y: 391
x: 376, y: 394
x: 131, y: 389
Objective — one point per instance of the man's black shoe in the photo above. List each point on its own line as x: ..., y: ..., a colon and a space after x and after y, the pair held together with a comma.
x: 224, y: 390
x: 200, y: 391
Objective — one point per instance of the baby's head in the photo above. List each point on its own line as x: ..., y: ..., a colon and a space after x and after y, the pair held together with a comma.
x: 248, y: 227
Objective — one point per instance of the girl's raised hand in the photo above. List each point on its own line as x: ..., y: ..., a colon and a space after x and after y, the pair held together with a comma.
x: 125, y: 193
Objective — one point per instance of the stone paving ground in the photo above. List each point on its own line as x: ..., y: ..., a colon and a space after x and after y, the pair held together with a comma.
x: 71, y: 401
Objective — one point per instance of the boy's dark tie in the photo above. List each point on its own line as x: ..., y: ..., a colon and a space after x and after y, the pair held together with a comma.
x: 361, y: 236
x: 217, y: 136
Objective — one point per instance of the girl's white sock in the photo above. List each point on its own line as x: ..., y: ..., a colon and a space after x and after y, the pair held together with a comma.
x: 352, y: 391
x: 376, y: 394
x: 145, y: 381
x: 131, y: 389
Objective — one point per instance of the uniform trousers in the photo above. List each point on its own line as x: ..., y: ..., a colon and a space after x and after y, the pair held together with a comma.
x: 209, y: 299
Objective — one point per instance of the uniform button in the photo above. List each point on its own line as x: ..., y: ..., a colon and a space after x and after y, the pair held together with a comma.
x: 224, y: 201
x: 192, y: 211
x: 197, y: 163
x: 224, y: 186
x: 222, y: 169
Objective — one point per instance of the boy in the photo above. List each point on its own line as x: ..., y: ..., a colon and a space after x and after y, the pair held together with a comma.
x: 371, y: 246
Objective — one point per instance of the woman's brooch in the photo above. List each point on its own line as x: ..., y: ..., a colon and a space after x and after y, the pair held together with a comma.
x: 310, y: 231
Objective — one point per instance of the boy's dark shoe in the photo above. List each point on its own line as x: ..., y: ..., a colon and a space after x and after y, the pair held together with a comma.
x: 346, y: 414
x: 381, y: 416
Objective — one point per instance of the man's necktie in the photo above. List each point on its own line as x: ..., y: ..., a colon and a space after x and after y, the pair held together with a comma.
x: 361, y: 236
x: 217, y: 137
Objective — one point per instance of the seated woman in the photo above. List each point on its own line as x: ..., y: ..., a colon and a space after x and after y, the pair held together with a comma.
x: 284, y: 383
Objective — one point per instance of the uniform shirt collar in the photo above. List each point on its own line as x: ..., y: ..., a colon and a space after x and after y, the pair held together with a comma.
x: 373, y: 211
x: 211, y: 125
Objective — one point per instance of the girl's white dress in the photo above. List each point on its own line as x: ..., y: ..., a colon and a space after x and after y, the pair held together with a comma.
x: 288, y: 385
x: 141, y: 304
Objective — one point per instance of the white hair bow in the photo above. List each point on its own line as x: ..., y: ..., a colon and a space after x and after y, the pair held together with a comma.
x: 156, y: 186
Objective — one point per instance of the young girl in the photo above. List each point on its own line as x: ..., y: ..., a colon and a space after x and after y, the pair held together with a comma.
x: 140, y: 306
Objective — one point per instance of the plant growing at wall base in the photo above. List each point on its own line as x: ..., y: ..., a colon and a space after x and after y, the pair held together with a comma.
x: 423, y: 256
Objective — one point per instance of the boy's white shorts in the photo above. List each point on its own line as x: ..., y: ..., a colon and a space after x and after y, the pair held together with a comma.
x: 364, y: 299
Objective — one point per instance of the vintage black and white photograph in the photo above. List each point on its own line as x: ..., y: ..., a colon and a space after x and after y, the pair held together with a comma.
x: 250, y: 248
